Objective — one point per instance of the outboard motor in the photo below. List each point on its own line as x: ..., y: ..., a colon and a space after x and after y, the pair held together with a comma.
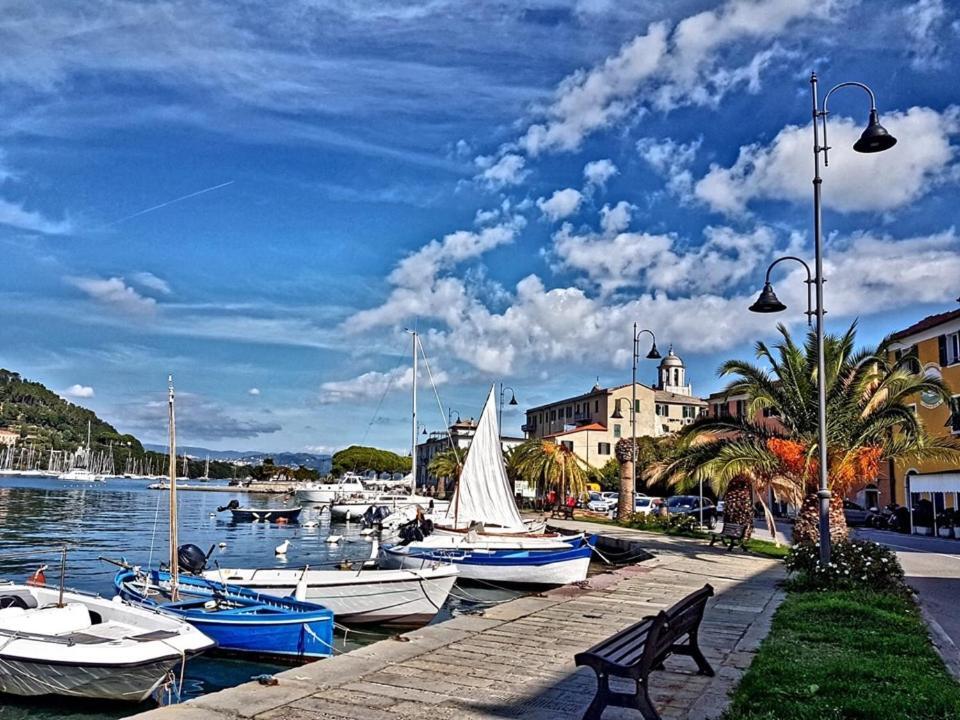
x: 192, y: 559
x: 374, y: 516
x: 232, y: 505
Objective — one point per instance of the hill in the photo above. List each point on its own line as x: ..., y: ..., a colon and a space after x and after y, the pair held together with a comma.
x: 320, y: 463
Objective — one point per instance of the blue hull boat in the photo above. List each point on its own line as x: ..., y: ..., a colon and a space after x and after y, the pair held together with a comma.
x: 238, y: 619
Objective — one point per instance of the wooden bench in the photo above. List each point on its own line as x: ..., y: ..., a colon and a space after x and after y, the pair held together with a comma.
x: 731, y: 535
x: 632, y: 653
x: 563, y: 512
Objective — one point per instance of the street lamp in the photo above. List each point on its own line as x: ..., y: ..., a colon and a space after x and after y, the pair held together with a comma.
x: 513, y: 401
x: 652, y: 355
x: 873, y: 139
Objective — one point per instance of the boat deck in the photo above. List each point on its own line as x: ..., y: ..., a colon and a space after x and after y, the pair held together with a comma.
x: 516, y: 660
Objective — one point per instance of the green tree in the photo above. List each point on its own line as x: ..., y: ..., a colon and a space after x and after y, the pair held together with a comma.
x: 547, y: 465
x: 358, y: 458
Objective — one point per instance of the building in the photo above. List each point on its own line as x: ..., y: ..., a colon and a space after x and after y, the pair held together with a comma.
x: 8, y: 436
x: 591, y: 424
x: 461, y: 434
x: 935, y: 342
x: 719, y: 404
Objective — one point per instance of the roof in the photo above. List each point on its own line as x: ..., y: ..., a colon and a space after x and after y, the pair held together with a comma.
x: 667, y: 396
x: 582, y: 428
x: 929, y: 322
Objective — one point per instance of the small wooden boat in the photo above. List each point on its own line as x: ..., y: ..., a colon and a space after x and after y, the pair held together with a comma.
x: 271, y: 515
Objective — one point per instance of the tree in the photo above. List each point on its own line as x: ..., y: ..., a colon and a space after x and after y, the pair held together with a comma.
x: 548, y: 465
x: 608, y: 476
x: 868, y: 421
x: 624, y: 450
x: 358, y: 458
x: 446, y: 466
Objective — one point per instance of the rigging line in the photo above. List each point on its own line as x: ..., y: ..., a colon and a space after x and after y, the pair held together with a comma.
x: 436, y: 394
x: 376, y: 412
x: 153, y: 537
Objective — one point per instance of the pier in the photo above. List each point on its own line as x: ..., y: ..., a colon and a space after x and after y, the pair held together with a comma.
x: 516, y: 659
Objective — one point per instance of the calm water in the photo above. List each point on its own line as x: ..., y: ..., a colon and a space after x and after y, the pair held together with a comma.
x: 122, y: 518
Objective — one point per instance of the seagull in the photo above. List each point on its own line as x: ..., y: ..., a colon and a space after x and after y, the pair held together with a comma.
x: 334, y: 538
x: 281, y: 549
x: 310, y: 524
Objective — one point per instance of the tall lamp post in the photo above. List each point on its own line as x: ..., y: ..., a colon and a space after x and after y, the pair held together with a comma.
x: 652, y: 355
x: 513, y: 401
x: 873, y: 139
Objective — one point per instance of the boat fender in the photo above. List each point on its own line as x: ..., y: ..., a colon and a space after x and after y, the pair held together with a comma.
x: 39, y: 576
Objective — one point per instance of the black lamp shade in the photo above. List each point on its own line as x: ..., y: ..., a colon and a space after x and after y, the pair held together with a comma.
x: 768, y: 302
x: 617, y: 415
x: 875, y: 138
x: 513, y: 398
x: 654, y: 354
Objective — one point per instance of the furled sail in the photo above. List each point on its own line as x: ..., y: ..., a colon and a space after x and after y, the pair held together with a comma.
x: 483, y: 493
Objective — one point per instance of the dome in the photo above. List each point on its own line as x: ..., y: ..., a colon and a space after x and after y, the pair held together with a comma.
x: 671, y: 360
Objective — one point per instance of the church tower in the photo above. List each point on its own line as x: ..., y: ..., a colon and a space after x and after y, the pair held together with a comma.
x: 673, y: 375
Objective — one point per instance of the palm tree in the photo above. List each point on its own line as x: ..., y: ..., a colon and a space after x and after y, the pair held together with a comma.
x: 868, y: 421
x: 546, y: 465
x: 446, y: 466
x: 624, y: 450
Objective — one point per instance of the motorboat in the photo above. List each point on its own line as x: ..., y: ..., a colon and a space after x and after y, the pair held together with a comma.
x: 80, y: 475
x: 391, y: 597
x: 269, y: 514
x: 80, y: 645
x: 352, y: 508
x: 348, y: 485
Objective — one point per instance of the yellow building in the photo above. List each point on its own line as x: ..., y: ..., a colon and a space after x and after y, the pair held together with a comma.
x: 8, y: 436
x: 935, y: 341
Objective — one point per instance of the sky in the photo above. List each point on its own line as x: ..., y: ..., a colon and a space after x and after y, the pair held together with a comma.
x: 260, y: 197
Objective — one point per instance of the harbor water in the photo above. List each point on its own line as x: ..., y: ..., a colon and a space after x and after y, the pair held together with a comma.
x: 122, y: 518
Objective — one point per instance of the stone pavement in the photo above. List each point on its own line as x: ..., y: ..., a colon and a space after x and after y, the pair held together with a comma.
x: 516, y: 660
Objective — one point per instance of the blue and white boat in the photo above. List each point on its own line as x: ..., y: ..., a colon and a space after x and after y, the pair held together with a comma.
x: 483, y: 498
x: 238, y: 619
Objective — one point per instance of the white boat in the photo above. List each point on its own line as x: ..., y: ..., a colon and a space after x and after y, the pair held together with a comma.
x: 352, y: 508
x: 80, y: 645
x: 80, y: 475
x: 483, y: 498
x: 396, y: 597
x: 348, y: 485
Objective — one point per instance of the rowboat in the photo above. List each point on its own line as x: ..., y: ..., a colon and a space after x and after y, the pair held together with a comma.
x: 272, y: 515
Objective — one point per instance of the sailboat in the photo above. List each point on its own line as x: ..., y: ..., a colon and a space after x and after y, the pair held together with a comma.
x: 483, y: 496
x: 84, y: 473
x: 240, y: 620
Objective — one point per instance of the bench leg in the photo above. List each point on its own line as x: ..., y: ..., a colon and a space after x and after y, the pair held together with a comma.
x: 595, y: 711
x: 644, y: 705
x: 698, y: 657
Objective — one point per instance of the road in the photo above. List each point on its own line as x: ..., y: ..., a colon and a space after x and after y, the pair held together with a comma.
x: 932, y: 567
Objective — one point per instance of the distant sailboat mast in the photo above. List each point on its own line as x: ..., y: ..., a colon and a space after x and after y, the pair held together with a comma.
x: 174, y: 566
x: 413, y: 438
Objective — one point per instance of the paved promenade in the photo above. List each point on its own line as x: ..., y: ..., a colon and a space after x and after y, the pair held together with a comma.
x: 516, y: 660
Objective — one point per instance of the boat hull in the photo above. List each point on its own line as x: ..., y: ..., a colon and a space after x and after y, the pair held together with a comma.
x: 270, y: 515
x: 382, y: 597
x: 514, y: 567
x: 347, y: 510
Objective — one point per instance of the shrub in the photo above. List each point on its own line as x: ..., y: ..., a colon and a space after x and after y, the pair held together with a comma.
x: 853, y: 565
x: 671, y: 524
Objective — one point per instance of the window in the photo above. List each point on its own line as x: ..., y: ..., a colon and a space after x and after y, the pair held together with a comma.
x: 662, y: 410
x: 568, y: 444
x: 577, y: 410
x: 771, y: 412
x: 741, y: 408
x: 689, y: 411
x: 596, y: 406
x: 603, y: 448
x: 553, y: 415
x: 953, y: 349
x: 954, y: 420
x: 616, y: 430
x: 569, y: 411
x: 636, y: 405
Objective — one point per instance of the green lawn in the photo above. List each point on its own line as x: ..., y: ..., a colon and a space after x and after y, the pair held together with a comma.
x: 833, y: 655
x: 767, y: 548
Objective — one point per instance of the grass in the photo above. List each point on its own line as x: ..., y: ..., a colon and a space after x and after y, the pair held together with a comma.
x: 767, y: 549
x: 846, y: 655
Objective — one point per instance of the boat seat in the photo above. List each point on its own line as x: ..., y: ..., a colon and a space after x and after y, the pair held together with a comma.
x: 23, y: 600
x: 52, y: 620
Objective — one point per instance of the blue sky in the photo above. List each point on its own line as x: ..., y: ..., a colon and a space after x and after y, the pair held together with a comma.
x: 519, y: 181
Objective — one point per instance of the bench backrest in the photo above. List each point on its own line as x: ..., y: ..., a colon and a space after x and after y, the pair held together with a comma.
x: 731, y: 529
x: 685, y: 616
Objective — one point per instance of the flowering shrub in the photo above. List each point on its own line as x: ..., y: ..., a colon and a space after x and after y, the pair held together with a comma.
x: 853, y: 565
x: 670, y: 524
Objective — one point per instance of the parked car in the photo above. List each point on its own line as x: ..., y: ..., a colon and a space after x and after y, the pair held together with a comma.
x: 720, y: 505
x: 690, y: 505
x: 603, y: 501
x: 647, y: 505
x: 857, y: 514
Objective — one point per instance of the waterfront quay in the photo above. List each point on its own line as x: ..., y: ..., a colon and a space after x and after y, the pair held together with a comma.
x: 516, y: 659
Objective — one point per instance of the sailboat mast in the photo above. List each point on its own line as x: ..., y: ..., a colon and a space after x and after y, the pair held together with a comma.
x: 413, y: 437
x: 174, y: 567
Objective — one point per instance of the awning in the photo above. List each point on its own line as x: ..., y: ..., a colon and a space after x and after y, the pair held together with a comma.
x: 940, y: 482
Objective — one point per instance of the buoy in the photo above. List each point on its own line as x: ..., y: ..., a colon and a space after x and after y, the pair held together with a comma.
x: 282, y: 521
x: 222, y: 545
x: 334, y: 538
x: 310, y: 524
x: 282, y: 548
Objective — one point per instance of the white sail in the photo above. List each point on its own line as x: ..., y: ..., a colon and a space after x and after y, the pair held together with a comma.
x: 483, y: 493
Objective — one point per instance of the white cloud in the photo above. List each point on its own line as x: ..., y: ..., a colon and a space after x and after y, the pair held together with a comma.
x: 667, y: 68
x: 507, y: 170
x: 115, y: 293
x: 616, y: 219
x: 597, y: 172
x: 197, y: 419
x: 924, y: 20
x: 372, y: 385
x: 562, y: 204
x: 152, y: 282
x: 253, y: 391
x: 79, y: 391
x: 671, y: 159
x: 15, y: 215
x: 853, y: 182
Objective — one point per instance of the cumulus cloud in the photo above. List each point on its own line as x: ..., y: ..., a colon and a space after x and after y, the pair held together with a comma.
x: 254, y: 391
x: 79, y: 391
x: 853, y: 182
x: 198, y: 418
x: 672, y: 160
x: 562, y: 204
x: 925, y: 20
x: 114, y: 292
x: 510, y: 169
x: 16, y: 215
x: 668, y: 67
x: 151, y: 282
x: 597, y: 172
x: 617, y: 218
x: 372, y: 385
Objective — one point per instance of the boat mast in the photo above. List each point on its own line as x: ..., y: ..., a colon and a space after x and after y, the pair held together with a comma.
x: 174, y: 568
x: 413, y: 436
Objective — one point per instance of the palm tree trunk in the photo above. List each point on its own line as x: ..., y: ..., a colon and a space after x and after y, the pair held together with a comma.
x: 625, y: 504
x: 738, y: 504
x: 807, y: 528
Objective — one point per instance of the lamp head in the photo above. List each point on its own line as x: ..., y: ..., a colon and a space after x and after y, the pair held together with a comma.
x: 513, y: 398
x: 654, y: 354
x: 617, y: 415
x: 768, y: 302
x: 875, y: 138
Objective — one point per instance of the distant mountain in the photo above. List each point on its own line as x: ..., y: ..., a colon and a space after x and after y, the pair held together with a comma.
x: 321, y: 463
